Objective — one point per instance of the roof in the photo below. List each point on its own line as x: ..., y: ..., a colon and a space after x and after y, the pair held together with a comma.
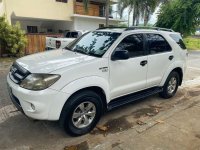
x: 118, y: 30
x: 136, y: 29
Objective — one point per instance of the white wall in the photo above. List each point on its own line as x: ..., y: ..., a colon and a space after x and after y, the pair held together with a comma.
x: 89, y: 24
x: 43, y: 25
x: 2, y: 8
x: 67, y: 25
x: 40, y: 9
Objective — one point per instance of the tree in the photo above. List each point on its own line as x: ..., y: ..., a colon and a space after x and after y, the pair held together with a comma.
x: 12, y: 37
x: 140, y: 8
x: 180, y: 15
x: 149, y: 7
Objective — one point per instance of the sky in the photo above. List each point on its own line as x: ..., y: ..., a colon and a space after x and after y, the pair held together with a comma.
x: 152, y: 20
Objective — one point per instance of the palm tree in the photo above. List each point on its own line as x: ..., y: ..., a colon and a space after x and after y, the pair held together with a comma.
x: 141, y: 9
x: 86, y: 3
x: 149, y: 9
x: 122, y: 5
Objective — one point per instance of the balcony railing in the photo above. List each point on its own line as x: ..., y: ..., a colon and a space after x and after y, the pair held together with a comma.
x: 94, y: 9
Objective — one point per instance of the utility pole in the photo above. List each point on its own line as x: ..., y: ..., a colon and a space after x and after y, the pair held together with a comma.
x: 107, y: 12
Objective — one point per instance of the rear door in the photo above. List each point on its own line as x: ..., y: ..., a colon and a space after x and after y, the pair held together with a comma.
x: 160, y: 57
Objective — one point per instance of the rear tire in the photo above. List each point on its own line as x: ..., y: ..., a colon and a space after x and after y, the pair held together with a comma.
x: 171, y: 85
x: 81, y: 113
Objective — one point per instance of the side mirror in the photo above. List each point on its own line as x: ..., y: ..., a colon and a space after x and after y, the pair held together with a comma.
x: 120, y: 55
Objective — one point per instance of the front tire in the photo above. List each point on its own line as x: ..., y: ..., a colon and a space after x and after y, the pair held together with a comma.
x: 171, y: 85
x: 81, y: 113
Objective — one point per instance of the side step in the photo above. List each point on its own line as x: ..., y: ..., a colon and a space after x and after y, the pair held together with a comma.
x: 133, y: 97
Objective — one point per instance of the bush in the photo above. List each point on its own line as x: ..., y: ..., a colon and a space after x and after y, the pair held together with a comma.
x: 12, y: 37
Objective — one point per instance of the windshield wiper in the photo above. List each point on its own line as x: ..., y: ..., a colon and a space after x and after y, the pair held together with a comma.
x: 67, y: 48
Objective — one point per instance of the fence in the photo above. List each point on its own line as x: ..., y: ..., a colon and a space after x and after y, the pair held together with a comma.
x: 37, y: 42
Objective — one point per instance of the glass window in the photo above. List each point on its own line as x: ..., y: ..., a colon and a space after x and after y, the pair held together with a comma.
x: 178, y: 39
x: 64, y: 1
x: 133, y: 44
x: 32, y: 29
x: 94, y: 43
x: 157, y: 44
x: 72, y: 35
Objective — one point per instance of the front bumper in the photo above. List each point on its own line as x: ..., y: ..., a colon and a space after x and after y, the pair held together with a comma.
x: 42, y: 105
x: 14, y: 100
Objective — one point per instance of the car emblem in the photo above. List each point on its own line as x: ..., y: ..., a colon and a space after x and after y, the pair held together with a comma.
x: 104, y: 69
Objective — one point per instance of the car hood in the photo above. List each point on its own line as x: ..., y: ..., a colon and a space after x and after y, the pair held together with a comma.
x: 49, y: 61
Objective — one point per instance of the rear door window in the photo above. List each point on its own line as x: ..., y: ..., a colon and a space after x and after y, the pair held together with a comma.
x: 178, y: 39
x: 157, y: 44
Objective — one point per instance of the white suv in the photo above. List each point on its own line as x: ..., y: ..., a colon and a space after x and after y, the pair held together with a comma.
x: 99, y: 71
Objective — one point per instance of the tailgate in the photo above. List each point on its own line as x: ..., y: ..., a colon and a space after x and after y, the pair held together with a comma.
x: 50, y: 42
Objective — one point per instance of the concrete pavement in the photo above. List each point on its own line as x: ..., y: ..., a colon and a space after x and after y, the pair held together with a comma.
x: 152, y: 123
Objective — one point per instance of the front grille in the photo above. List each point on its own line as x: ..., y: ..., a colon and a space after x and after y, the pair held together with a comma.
x: 18, y: 73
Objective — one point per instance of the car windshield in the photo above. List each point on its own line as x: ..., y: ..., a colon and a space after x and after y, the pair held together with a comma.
x: 94, y: 43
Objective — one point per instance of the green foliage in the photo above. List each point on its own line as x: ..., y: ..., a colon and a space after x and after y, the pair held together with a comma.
x: 192, y: 43
x: 180, y: 15
x: 12, y: 37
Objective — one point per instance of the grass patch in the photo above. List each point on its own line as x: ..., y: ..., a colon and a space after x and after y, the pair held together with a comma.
x: 192, y: 43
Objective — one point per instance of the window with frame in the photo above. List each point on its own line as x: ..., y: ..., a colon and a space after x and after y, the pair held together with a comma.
x: 157, y: 44
x: 63, y: 1
x: 32, y: 29
x: 134, y: 44
x: 101, y: 25
x: 178, y: 40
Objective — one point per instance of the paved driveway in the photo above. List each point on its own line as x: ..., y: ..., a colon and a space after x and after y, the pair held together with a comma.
x: 151, y: 123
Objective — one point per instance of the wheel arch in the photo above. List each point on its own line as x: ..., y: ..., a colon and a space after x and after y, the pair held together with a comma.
x: 178, y: 69
x: 180, y: 72
x: 98, y: 90
x: 96, y: 84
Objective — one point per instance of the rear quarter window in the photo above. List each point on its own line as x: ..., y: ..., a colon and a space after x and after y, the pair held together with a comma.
x: 178, y: 39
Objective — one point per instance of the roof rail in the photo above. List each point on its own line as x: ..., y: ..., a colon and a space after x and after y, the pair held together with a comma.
x: 115, y: 27
x: 152, y: 28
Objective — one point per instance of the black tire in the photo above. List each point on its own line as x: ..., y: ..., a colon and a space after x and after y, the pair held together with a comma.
x: 165, y: 93
x: 71, y: 105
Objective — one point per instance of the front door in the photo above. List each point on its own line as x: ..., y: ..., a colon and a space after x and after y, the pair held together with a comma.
x: 129, y: 76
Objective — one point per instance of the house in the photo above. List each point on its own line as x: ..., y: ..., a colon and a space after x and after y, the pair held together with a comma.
x: 55, y: 16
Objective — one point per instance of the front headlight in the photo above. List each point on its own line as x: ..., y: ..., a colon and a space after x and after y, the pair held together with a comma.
x: 38, y: 82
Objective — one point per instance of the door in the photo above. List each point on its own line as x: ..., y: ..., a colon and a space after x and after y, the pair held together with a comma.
x: 159, y: 59
x: 129, y: 76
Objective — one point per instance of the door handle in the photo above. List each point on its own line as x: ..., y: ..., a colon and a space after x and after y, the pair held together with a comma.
x: 171, y: 57
x: 143, y: 63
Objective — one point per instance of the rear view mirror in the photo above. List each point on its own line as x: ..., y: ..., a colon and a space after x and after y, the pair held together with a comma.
x: 120, y: 55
